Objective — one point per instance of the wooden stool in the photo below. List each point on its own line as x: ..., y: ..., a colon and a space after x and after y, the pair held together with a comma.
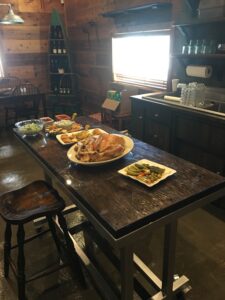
x: 18, y: 207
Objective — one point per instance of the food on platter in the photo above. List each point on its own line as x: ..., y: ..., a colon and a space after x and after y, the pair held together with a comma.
x: 99, y: 147
x: 65, y: 124
x: 68, y: 138
x: 62, y: 117
x: 145, y: 172
x: 46, y: 121
x: 53, y: 129
x: 71, y: 138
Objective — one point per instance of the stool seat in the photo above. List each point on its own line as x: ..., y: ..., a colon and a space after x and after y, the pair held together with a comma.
x: 37, y: 199
x: 34, y: 200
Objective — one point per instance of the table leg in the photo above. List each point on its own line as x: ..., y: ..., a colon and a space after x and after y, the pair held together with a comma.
x: 126, y: 269
x: 169, y: 259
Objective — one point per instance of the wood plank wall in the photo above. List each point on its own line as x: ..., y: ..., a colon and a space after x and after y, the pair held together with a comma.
x: 24, y: 47
x: 90, y: 41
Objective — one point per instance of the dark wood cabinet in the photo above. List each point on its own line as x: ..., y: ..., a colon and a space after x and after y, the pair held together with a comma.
x: 193, y: 135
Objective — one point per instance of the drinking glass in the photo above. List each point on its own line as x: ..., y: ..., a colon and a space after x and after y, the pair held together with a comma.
x: 191, y: 47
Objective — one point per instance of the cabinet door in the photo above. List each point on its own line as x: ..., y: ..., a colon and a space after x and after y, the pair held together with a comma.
x: 159, y: 113
x: 137, y: 119
x: 200, y: 141
x: 157, y: 126
x: 157, y: 134
x: 200, y: 157
x: 192, y: 130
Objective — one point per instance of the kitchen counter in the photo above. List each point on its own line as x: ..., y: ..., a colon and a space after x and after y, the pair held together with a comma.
x: 160, y: 98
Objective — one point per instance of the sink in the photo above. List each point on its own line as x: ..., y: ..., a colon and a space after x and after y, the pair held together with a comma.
x: 209, y: 105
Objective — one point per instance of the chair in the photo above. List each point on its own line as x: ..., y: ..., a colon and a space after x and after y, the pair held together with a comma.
x: 18, y: 207
x: 25, y: 103
x: 8, y: 85
x: 117, y: 121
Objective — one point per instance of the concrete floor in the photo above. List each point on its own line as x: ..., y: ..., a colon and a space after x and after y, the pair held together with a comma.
x: 200, y: 253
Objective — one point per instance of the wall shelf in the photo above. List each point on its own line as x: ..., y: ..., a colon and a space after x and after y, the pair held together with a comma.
x: 137, y: 9
x: 199, y: 56
x: 198, y: 22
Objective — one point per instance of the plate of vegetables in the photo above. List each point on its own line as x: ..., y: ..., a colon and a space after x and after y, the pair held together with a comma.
x: 147, y: 172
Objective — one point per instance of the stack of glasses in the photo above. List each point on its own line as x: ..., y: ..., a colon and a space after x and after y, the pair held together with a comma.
x: 196, y: 47
x: 193, y: 94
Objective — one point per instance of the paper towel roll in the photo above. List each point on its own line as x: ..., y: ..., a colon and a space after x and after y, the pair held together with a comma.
x: 199, y: 71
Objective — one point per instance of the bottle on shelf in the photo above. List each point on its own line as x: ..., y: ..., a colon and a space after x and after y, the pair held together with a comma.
x: 55, y: 87
x: 54, y: 47
x: 64, y: 51
x: 59, y: 47
x: 59, y: 32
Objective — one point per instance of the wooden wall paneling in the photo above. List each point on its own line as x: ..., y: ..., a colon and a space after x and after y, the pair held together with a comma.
x: 23, y: 59
x: 26, y: 32
x: 40, y: 5
x: 25, y: 46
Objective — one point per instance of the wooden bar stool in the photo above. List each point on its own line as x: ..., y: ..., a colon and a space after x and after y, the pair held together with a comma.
x: 18, y: 207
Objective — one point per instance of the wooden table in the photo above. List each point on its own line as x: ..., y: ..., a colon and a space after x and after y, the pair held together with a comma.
x: 123, y: 211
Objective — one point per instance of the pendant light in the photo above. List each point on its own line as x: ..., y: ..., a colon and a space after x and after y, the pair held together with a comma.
x: 10, y: 17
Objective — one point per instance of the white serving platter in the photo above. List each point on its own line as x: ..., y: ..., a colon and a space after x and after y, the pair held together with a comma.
x: 168, y: 171
x: 129, y: 144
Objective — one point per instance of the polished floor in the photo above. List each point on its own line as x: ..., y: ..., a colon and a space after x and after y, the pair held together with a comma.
x: 200, y: 253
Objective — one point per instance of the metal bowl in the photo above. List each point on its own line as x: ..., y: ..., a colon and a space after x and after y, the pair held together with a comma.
x: 30, y: 127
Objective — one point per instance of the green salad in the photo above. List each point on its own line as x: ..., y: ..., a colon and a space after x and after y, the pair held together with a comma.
x: 31, y: 128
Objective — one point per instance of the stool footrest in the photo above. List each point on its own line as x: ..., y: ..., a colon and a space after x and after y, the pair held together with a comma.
x: 46, y: 272
x: 79, y: 227
x: 32, y: 238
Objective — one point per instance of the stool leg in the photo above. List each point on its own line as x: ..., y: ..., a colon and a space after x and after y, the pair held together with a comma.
x: 72, y: 252
x: 21, y: 263
x: 7, y: 248
x: 53, y: 232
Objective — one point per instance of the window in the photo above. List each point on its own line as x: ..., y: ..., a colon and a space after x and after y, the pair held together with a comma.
x: 141, y: 59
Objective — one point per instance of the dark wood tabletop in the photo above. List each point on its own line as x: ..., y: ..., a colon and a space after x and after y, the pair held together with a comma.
x: 120, y: 203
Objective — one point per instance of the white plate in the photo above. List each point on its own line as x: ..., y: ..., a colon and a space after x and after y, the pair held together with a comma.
x: 58, y: 136
x: 168, y: 171
x: 129, y: 144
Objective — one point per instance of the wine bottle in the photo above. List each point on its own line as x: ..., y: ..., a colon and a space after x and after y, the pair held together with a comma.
x: 54, y: 48
x: 56, y: 88
x: 51, y: 46
x: 59, y: 47
x: 60, y: 35
x: 64, y: 48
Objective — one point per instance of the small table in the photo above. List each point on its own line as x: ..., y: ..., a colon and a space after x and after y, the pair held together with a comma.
x: 123, y: 211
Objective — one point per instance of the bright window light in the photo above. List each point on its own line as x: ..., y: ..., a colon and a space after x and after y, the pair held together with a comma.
x: 141, y: 59
x: 1, y: 69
